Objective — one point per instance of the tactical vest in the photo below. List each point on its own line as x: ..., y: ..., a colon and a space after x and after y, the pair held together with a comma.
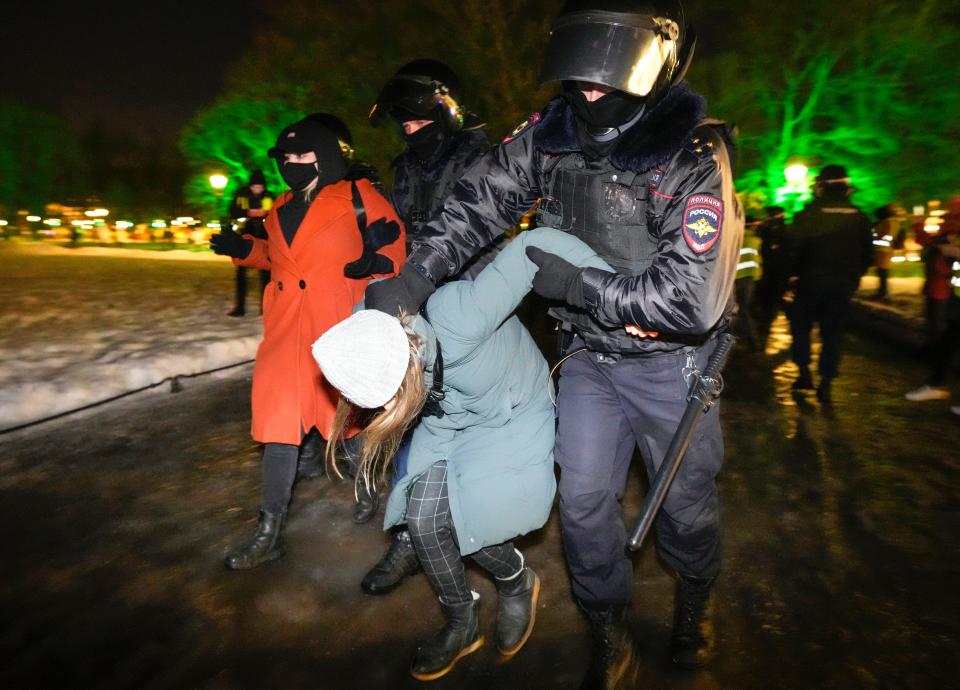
x: 608, y: 209
x: 427, y: 196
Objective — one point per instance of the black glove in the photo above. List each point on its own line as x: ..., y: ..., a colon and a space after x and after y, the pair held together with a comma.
x: 229, y: 243
x: 556, y: 278
x: 376, y: 235
x: 407, y: 292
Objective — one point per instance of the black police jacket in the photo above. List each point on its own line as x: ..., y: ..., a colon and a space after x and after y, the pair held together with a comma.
x: 419, y: 188
x: 831, y: 239
x: 693, y: 216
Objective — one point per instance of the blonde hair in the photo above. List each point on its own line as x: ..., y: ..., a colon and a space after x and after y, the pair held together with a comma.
x: 383, y: 431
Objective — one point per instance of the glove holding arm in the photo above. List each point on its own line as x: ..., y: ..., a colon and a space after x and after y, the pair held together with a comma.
x: 229, y: 243
x: 557, y: 278
x: 407, y: 292
x: 376, y: 235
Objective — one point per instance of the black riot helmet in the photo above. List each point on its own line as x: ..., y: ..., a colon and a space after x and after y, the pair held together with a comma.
x: 423, y: 90
x: 641, y: 47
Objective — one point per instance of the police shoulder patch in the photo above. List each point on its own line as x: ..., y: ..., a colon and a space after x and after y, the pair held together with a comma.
x: 519, y: 129
x: 702, y: 220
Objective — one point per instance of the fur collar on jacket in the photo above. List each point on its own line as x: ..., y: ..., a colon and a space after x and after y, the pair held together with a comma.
x: 652, y: 141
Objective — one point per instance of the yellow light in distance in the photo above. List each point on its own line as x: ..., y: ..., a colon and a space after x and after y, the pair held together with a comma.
x: 795, y: 173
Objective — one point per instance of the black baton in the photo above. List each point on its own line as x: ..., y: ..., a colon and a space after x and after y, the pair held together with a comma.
x: 704, y: 390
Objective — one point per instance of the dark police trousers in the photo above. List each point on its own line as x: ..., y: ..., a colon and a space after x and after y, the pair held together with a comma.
x: 827, y: 302
x: 606, y: 409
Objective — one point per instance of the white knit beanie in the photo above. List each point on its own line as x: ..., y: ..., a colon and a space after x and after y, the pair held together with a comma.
x: 365, y: 357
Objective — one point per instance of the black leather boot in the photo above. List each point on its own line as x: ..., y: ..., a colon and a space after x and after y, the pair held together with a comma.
x: 804, y: 381
x: 399, y: 562
x: 265, y: 546
x: 459, y: 637
x: 613, y: 659
x: 310, y: 458
x: 693, y: 641
x: 516, y: 610
x: 368, y: 501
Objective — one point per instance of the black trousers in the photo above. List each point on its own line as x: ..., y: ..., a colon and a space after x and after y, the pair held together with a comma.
x: 606, y: 410
x: 825, y: 302
x: 947, y: 345
x: 241, y: 286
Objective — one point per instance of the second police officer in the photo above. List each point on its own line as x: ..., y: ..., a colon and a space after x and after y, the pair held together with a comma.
x: 624, y: 160
x: 442, y: 140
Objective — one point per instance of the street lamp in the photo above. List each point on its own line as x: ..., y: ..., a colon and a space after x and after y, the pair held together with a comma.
x: 795, y: 173
x: 219, y: 182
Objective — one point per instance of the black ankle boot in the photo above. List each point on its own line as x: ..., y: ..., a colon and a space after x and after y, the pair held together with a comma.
x: 516, y: 610
x: 612, y: 659
x: 368, y: 500
x: 804, y: 381
x: 265, y: 546
x: 399, y: 562
x: 693, y: 641
x: 309, y: 462
x: 459, y: 637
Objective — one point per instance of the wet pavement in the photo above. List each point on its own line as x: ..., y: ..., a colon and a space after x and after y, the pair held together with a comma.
x: 841, y: 553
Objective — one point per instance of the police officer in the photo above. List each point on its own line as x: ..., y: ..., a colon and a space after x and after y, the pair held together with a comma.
x: 625, y: 161
x: 832, y: 248
x: 748, y: 273
x: 773, y: 256
x: 442, y: 140
x: 248, y: 209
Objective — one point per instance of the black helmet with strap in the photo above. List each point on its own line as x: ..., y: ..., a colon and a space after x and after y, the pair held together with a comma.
x: 640, y: 47
x: 423, y: 89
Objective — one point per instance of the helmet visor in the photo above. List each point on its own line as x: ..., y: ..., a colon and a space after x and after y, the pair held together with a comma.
x: 619, y: 50
x: 406, y: 97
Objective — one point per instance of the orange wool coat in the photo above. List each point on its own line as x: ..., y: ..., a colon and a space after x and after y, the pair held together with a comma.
x: 308, y: 294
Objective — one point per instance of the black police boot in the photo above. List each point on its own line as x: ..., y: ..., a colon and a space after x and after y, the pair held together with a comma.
x: 612, y: 660
x: 368, y: 500
x: 823, y: 391
x: 399, y: 562
x: 516, y: 610
x: 309, y: 460
x: 804, y: 381
x: 459, y: 637
x: 265, y: 546
x: 237, y: 311
x: 693, y: 641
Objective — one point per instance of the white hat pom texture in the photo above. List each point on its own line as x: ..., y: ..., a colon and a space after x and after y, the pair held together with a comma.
x: 365, y: 357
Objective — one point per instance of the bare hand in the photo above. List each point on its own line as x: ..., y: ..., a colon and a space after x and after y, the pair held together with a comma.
x: 634, y: 329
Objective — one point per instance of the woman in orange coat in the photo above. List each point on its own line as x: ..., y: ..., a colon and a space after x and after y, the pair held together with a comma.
x: 321, y: 252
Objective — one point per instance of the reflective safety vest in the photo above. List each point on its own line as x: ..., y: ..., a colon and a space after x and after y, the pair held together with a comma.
x: 955, y: 278
x: 748, y: 264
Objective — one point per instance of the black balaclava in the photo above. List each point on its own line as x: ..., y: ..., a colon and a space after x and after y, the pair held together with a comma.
x: 428, y: 142
x: 601, y: 122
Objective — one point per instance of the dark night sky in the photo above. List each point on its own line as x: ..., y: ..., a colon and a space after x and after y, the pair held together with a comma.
x: 141, y: 68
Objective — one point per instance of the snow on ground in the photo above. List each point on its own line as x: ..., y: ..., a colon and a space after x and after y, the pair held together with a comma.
x: 81, y: 326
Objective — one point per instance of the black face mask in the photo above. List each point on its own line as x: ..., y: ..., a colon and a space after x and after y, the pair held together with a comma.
x: 298, y: 176
x: 427, y: 142
x: 611, y: 110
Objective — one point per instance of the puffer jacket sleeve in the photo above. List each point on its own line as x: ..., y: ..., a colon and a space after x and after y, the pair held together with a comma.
x: 699, y: 228
x: 475, y: 309
x: 493, y: 194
